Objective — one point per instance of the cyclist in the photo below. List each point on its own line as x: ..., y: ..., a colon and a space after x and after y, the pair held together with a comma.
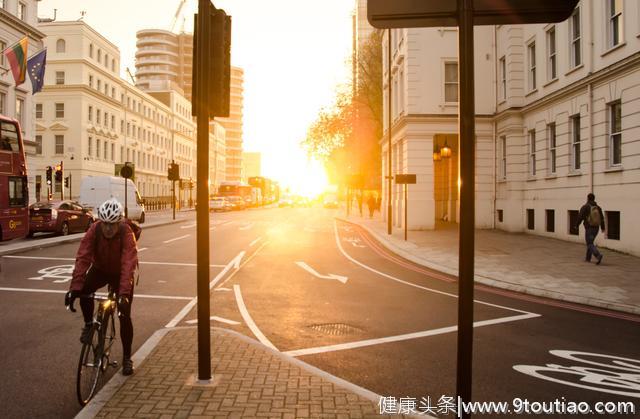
x: 107, y: 255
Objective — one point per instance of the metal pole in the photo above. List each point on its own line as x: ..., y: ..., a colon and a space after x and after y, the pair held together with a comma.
x: 173, y: 198
x: 406, y: 211
x: 389, y: 177
x: 467, y: 200
x: 202, y: 173
x: 70, y: 194
x: 126, y: 207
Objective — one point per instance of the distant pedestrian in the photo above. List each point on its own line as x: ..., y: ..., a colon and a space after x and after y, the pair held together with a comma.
x: 592, y: 218
x: 359, y: 199
x: 372, y: 204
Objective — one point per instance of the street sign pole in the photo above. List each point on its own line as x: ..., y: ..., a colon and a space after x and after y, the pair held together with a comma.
x: 406, y: 212
x: 389, y: 177
x: 467, y: 201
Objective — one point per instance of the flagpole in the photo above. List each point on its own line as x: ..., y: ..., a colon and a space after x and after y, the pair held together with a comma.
x: 15, y: 43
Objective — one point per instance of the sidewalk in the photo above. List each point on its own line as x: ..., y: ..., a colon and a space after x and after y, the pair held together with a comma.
x: 524, y: 263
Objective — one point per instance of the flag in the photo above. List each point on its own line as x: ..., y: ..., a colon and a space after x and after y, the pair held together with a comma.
x: 35, y: 68
x: 17, y: 56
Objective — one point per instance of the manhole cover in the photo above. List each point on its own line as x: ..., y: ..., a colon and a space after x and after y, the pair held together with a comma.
x: 336, y: 329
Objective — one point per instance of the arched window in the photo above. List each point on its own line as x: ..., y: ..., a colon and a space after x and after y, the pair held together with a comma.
x: 61, y: 45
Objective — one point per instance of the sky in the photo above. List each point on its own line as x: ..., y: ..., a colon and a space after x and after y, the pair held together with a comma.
x: 294, y: 53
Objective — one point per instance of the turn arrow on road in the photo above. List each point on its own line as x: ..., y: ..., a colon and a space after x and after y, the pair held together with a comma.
x: 309, y: 269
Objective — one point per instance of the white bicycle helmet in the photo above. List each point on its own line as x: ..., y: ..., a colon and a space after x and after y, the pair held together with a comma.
x: 110, y: 211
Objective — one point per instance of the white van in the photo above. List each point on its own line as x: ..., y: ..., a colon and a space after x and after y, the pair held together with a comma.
x: 94, y: 190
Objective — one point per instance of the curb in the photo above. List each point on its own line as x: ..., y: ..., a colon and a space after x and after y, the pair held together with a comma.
x: 498, y: 283
x: 54, y: 241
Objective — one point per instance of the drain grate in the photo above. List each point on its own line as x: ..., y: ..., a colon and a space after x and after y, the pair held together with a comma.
x: 337, y: 329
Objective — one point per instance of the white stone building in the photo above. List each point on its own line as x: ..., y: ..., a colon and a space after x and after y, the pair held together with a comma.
x: 17, y: 19
x: 557, y: 118
x: 90, y: 119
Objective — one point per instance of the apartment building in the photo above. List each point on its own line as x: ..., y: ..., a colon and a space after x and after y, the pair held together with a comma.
x: 233, y: 126
x: 89, y: 118
x: 557, y: 118
x: 19, y: 18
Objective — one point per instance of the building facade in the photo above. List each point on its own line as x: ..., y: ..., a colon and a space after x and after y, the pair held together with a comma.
x: 19, y: 19
x: 233, y: 126
x: 251, y: 165
x: 91, y: 119
x: 556, y: 118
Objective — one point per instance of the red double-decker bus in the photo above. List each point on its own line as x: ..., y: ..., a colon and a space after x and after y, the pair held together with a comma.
x: 14, y: 195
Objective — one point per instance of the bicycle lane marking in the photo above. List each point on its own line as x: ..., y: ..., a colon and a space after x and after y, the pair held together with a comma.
x: 233, y: 263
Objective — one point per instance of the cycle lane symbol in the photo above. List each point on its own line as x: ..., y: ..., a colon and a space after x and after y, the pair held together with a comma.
x: 59, y: 274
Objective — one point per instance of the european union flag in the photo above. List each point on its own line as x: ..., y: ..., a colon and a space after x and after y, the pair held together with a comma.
x: 35, y: 69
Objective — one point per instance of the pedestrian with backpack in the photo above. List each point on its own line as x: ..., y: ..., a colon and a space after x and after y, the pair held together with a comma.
x: 592, y: 218
x: 107, y: 255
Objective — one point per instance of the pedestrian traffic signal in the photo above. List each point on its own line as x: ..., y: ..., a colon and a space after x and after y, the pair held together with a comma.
x: 48, y: 176
x: 173, y: 173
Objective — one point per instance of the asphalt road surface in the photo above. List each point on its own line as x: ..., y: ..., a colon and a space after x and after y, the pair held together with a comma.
x: 323, y: 291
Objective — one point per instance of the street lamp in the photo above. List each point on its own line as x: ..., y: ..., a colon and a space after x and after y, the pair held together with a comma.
x: 436, y: 154
x: 445, y: 151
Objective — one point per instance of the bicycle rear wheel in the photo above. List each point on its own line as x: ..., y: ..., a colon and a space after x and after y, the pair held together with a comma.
x: 89, y: 367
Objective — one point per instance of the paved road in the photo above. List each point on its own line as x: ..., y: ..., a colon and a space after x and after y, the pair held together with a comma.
x: 322, y: 291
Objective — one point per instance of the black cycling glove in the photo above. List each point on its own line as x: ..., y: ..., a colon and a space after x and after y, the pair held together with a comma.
x: 70, y: 298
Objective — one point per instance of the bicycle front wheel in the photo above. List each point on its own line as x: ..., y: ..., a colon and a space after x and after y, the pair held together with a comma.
x: 89, y: 367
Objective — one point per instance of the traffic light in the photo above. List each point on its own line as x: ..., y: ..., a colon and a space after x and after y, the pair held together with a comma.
x: 66, y: 182
x: 213, y: 58
x: 174, y: 172
x: 58, y: 173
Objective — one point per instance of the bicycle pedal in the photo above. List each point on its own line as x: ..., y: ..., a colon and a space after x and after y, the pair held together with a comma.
x: 113, y: 363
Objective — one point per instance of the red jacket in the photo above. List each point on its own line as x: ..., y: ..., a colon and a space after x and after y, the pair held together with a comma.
x: 107, y: 257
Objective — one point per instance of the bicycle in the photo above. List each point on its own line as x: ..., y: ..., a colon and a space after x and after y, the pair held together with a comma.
x: 94, y: 355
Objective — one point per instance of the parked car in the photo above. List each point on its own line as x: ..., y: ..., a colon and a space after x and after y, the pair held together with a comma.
x: 60, y: 217
x: 236, y: 202
x: 219, y: 203
x: 330, y: 201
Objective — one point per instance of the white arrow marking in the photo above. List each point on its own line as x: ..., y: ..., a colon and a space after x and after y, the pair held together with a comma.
x: 246, y: 227
x: 309, y: 269
x: 222, y: 289
x: 216, y: 318
x: 255, y: 241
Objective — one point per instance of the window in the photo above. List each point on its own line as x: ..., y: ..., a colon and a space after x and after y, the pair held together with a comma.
x: 575, y: 36
x: 122, y: 126
x: 91, y: 81
x: 503, y: 78
x: 574, y: 217
x: 613, y: 225
x: 106, y: 148
x: 18, y: 195
x: 61, y: 45
x: 532, y: 153
x: 99, y: 85
x: 500, y: 216
x: 503, y: 157
x: 531, y: 57
x: 113, y: 152
x: 90, y: 113
x: 113, y: 64
x: 3, y: 101
x: 551, y: 133
x: 106, y: 119
x: 90, y: 50
x: 20, y: 111
x: 22, y: 11
x: 614, y: 8
x: 99, y: 55
x: 575, y: 142
x: 59, y: 144
x: 113, y: 122
x: 98, y: 116
x: 98, y: 147
x: 38, y: 144
x: 531, y: 224
x: 3, y: 46
x: 59, y: 77
x: 552, y: 58
x: 38, y: 110
x: 615, y: 134
x: 90, y: 147
x: 550, y: 216
x: 451, y: 82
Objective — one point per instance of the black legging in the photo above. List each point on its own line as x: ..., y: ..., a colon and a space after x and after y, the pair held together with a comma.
x: 94, y: 281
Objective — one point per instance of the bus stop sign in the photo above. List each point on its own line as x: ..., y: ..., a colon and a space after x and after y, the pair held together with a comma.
x: 385, y: 14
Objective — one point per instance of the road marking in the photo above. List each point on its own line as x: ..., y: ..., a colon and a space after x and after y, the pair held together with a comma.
x: 245, y: 262
x: 177, y: 238
x: 185, y: 310
x: 222, y: 289
x: 215, y: 318
x: 412, y: 284
x: 249, y: 321
x: 189, y: 226
x: 246, y: 227
x: 142, y: 249
x: 408, y: 336
x: 309, y: 269
x: 141, y: 263
x: 255, y: 241
x: 102, y: 294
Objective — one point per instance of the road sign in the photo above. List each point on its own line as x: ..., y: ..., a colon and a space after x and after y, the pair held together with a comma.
x: 130, y: 170
x: 429, y: 13
x: 405, y: 179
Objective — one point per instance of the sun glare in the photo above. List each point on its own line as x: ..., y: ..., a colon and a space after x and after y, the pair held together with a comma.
x: 310, y: 182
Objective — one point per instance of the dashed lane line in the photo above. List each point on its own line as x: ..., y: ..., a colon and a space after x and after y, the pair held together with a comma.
x: 156, y: 297
x: 141, y: 262
x: 177, y: 238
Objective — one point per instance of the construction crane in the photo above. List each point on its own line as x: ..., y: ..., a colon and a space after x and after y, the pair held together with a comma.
x: 177, y: 15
